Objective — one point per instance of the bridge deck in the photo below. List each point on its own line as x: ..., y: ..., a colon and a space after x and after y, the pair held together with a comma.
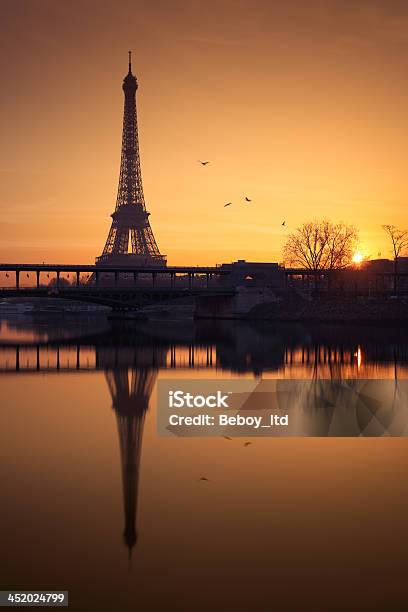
x: 92, y: 268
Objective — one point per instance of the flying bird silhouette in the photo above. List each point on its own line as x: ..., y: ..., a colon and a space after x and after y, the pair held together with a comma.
x: 284, y: 223
x: 203, y: 163
x: 204, y: 478
x: 227, y: 438
x: 7, y: 275
x: 247, y: 443
x: 229, y: 204
x: 247, y: 199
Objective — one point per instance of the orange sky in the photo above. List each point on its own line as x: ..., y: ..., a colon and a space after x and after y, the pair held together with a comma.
x: 299, y: 105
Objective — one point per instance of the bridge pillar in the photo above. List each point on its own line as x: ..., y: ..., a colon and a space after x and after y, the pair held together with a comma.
x: 97, y: 278
x: 172, y: 279
x: 190, y: 279
x: 191, y: 356
x: 135, y: 278
x: 17, y: 279
x: 77, y: 277
x: 208, y: 276
x: 116, y: 278
x: 38, y: 278
x: 58, y: 278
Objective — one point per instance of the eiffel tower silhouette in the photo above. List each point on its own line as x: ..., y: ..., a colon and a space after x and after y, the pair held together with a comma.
x: 130, y: 220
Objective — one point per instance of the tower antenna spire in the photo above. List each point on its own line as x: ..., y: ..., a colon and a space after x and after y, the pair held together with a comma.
x: 130, y: 62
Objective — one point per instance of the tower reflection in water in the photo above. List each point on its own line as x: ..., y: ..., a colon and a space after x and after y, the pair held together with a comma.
x: 130, y: 391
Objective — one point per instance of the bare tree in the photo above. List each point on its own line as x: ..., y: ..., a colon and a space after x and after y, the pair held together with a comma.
x: 321, y: 245
x: 399, y: 241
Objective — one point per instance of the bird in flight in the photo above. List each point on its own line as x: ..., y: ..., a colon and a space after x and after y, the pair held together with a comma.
x: 203, y: 163
x: 204, y: 478
x: 227, y: 438
x: 284, y: 223
x: 228, y: 204
x: 247, y: 199
x: 247, y: 443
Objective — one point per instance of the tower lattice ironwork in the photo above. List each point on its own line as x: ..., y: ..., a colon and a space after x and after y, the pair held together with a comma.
x: 130, y: 221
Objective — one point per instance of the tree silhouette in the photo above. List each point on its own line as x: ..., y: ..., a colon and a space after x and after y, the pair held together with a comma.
x: 399, y: 241
x: 321, y: 245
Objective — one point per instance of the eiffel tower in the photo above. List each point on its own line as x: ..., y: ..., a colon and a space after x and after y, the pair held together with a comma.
x: 130, y: 391
x: 130, y: 219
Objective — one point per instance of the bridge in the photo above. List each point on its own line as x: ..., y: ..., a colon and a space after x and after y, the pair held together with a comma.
x: 121, y: 288
x: 227, y: 291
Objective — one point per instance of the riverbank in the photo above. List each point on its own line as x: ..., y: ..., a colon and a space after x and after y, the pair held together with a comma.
x: 333, y: 309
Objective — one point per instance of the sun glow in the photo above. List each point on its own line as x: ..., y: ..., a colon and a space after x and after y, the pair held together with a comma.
x: 357, y: 258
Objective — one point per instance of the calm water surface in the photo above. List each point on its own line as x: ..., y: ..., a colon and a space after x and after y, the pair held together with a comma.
x: 92, y: 501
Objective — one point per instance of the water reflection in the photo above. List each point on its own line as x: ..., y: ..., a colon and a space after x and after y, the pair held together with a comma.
x: 130, y: 357
x: 288, y: 351
x: 130, y: 391
x: 27, y: 329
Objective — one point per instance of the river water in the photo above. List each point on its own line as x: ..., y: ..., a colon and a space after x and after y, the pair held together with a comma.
x: 93, y: 501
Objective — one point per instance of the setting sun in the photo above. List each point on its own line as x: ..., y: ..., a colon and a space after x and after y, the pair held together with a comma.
x: 357, y: 258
